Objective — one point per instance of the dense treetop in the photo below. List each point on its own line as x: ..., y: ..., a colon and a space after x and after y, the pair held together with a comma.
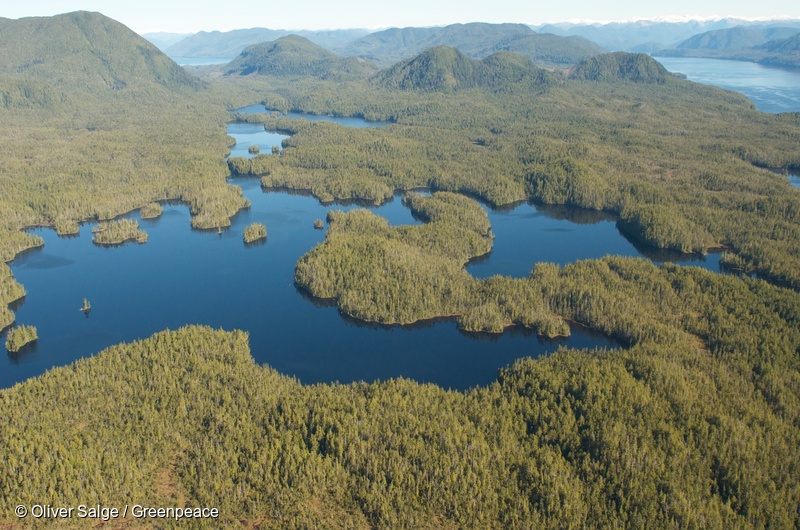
x: 295, y: 56
x: 620, y: 67
x: 694, y: 423
x: 446, y: 69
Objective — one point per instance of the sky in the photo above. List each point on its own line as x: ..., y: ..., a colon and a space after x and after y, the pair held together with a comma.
x: 181, y: 16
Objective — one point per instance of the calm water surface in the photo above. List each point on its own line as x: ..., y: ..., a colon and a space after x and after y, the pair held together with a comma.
x: 770, y: 89
x: 190, y: 277
x: 182, y: 276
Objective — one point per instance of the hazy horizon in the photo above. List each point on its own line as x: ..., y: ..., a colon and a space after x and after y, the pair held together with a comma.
x: 154, y: 16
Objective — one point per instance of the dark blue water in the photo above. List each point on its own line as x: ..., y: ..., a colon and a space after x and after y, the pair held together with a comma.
x: 530, y: 233
x: 770, y: 89
x: 185, y: 277
x: 190, y: 277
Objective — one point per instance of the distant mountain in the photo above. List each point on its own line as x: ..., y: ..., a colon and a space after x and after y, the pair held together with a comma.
x: 788, y: 45
x: 783, y: 53
x: 232, y: 43
x: 296, y: 56
x: 621, y: 66
x: 736, y: 38
x: 85, y: 52
x: 163, y: 40
x: 772, y: 46
x: 649, y: 35
x: 476, y: 40
x: 446, y: 69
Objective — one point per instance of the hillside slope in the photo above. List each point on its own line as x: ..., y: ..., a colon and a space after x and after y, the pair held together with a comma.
x: 84, y: 51
x: 621, y: 67
x: 476, y: 40
x: 296, y: 56
x: 443, y: 68
x: 96, y: 121
x: 231, y: 43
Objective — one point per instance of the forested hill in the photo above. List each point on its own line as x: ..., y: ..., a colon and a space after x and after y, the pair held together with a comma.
x: 443, y: 68
x: 773, y: 46
x: 84, y: 51
x: 476, y: 40
x: 296, y: 56
x: 231, y: 43
x: 621, y: 67
x: 95, y: 121
x: 736, y: 38
x: 787, y: 45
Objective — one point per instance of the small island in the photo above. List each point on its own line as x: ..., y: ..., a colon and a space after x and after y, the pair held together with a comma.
x: 255, y: 232
x: 20, y: 336
x: 86, y: 305
x: 318, y: 224
x: 253, y: 150
x: 151, y: 210
x: 118, y: 232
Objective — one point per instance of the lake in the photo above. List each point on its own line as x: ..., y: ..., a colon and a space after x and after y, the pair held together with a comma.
x: 183, y: 276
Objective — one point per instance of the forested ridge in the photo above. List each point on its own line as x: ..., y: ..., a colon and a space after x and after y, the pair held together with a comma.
x: 694, y: 422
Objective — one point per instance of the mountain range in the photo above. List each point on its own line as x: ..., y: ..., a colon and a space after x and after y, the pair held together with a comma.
x: 476, y: 40
x: 386, y: 47
x: 773, y: 46
x: 229, y: 44
x: 652, y: 35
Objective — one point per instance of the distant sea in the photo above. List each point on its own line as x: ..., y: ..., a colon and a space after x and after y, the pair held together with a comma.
x: 770, y: 89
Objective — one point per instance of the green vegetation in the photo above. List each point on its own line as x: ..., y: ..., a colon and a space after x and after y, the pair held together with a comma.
x: 253, y: 149
x: 672, y: 159
x: 73, y: 148
x: 318, y: 224
x: 695, y: 424
x: 118, y: 232
x: 295, y: 56
x: 10, y: 291
x: 476, y: 40
x: 408, y: 273
x: 231, y: 43
x: 151, y: 210
x: 255, y: 232
x: 616, y: 67
x: 66, y: 227
x: 772, y: 46
x: 446, y: 69
x: 20, y: 336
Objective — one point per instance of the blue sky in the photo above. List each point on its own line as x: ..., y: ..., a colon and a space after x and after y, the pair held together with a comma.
x: 190, y: 16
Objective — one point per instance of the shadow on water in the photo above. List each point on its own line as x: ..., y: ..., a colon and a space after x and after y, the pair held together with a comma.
x: 19, y: 356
